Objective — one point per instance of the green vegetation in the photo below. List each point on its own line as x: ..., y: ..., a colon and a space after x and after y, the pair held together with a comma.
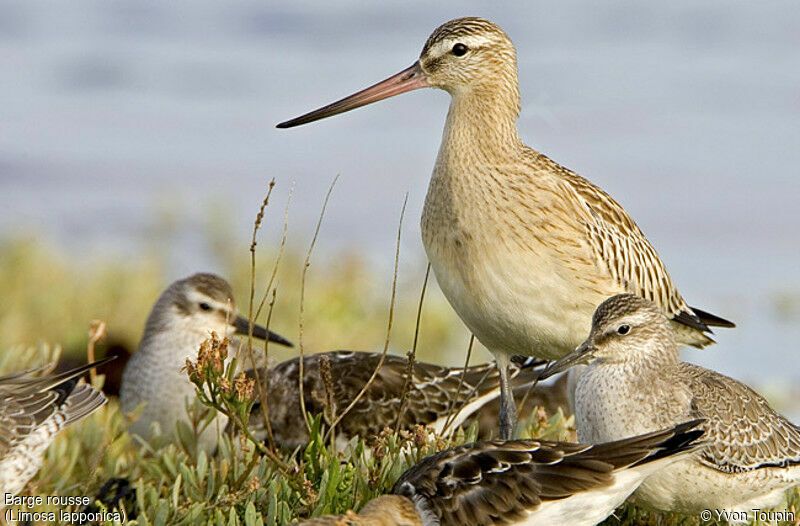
x: 181, y: 484
x: 51, y: 299
x: 178, y: 483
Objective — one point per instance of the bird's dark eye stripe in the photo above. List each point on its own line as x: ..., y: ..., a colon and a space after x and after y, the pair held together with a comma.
x: 459, y: 49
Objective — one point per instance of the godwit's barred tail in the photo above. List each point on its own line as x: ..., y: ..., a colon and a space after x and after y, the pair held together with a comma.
x: 523, y: 482
x: 523, y: 248
x: 34, y: 407
x: 436, y: 396
x: 635, y: 382
x: 183, y: 317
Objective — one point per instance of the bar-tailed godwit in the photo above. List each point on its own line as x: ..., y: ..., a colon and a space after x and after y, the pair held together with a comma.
x: 523, y: 248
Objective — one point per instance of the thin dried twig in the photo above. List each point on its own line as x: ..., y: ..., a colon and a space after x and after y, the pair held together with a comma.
x: 97, y: 331
x: 412, y: 354
x: 464, y: 401
x: 452, y: 415
x: 263, y: 386
x: 251, y: 317
x: 244, y: 428
x: 531, y: 387
x: 327, y: 382
x: 301, y: 323
x: 256, y: 226
x: 279, y: 255
x: 388, y: 327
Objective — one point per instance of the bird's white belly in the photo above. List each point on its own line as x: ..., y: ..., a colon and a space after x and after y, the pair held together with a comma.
x: 157, y: 380
x: 589, y: 507
x: 513, y: 303
x: 163, y: 388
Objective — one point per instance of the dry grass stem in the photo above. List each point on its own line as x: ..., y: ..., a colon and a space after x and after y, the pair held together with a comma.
x: 97, y: 331
x: 256, y: 226
x: 330, y: 405
x: 279, y: 255
x: 453, y: 415
x: 412, y: 354
x: 301, y: 320
x: 263, y: 387
x: 262, y: 392
x: 388, y: 325
x: 531, y: 387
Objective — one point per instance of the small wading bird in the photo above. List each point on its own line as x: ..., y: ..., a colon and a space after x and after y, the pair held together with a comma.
x: 523, y: 482
x: 441, y: 398
x: 190, y: 309
x: 523, y: 248
x: 34, y: 408
x: 183, y: 317
x: 635, y: 383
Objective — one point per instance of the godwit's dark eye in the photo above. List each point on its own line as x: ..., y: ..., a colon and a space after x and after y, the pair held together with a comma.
x: 459, y: 50
x: 624, y: 329
x: 205, y: 306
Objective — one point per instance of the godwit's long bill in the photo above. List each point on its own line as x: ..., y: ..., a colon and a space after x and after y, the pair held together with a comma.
x: 411, y: 78
x: 523, y: 249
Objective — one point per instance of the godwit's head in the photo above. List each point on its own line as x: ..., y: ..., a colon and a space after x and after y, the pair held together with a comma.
x: 465, y: 57
x: 469, y: 55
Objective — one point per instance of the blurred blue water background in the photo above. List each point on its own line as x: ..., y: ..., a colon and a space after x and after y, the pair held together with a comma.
x: 113, y: 113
